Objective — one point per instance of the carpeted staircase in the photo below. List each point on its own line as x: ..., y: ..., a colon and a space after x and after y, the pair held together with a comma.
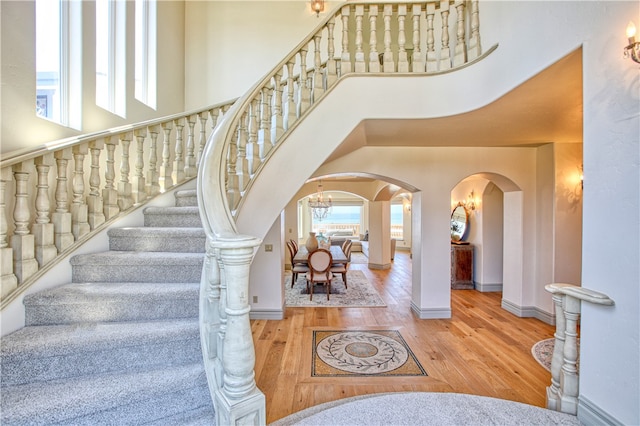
x: 120, y: 344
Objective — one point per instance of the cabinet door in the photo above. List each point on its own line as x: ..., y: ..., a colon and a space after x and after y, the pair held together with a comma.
x: 461, y: 267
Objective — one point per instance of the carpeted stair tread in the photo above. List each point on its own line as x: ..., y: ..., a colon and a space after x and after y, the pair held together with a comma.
x: 129, y: 398
x: 41, y: 353
x: 113, y: 302
x: 203, y: 416
x: 136, y: 258
x: 171, y: 239
x: 187, y: 197
x: 183, y: 217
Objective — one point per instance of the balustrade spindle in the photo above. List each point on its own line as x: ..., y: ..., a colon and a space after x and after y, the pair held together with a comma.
x: 139, y: 183
x: 264, y: 132
x: 374, y: 57
x: 178, y: 161
x: 202, y: 116
x: 166, y: 181
x: 291, y: 116
x: 553, y: 399
x: 445, y: 54
x: 79, y: 209
x: 153, y: 183
x: 359, y: 63
x: 233, y: 182
x: 190, y: 160
x: 345, y: 58
x: 109, y: 193
x: 125, y: 201
x: 568, y: 391
x: 277, y: 116
x: 417, y: 63
x: 332, y: 70
x: 43, y: 230
x: 22, y: 241
x: 475, y: 49
x: 460, y: 50
x: 62, y: 220
x: 304, y: 92
x: 94, y: 200
x: 403, y: 61
x: 222, y: 309
x: 215, y: 116
x: 432, y: 59
x: 252, y: 143
x: 318, y: 74
x: 242, y: 166
x: 210, y: 308
x: 387, y: 58
x: 8, y: 280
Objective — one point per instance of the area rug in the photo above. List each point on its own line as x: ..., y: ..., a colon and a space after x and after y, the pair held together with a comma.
x: 359, y: 257
x: 340, y: 353
x: 359, y: 294
x: 542, y: 352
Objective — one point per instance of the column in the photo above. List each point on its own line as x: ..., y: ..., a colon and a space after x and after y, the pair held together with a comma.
x: 379, y: 234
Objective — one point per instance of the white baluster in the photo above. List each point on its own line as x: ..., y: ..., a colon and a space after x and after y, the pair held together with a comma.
x: 109, y: 193
x: 291, y: 116
x: 277, y: 116
x: 239, y: 401
x: 417, y: 62
x: 125, y: 201
x: 242, y: 166
x: 233, y: 182
x: 332, y: 70
x: 264, y: 132
x: 222, y: 309
x: 43, y: 230
x: 61, y: 218
x: 304, y: 92
x: 8, y: 280
x: 22, y: 241
x: 139, y: 183
x: 553, y: 400
x: 79, y: 209
x: 432, y: 59
x: 215, y: 115
x: 210, y: 314
x: 475, y: 50
x: 166, y: 181
x: 403, y: 61
x: 568, y: 391
x: 94, y: 200
x: 359, y: 63
x: 345, y: 58
x: 153, y: 183
x: 252, y: 143
x: 318, y: 75
x: 445, y: 54
x: 387, y: 58
x: 190, y: 160
x: 203, y: 116
x: 460, y: 50
x: 374, y: 57
x: 178, y: 161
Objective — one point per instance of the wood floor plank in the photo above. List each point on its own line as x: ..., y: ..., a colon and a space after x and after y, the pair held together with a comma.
x: 481, y: 350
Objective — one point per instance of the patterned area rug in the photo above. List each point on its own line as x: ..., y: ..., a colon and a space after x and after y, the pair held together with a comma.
x: 362, y: 353
x: 359, y: 294
x: 542, y: 352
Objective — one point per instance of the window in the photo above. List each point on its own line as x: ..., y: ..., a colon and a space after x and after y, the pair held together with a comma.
x: 145, y: 52
x: 397, y: 221
x: 343, y: 219
x: 58, y: 61
x: 110, y: 55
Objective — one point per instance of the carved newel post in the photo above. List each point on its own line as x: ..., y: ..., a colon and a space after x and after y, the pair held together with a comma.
x: 239, y: 401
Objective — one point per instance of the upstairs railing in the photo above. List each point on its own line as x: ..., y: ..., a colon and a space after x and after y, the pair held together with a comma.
x: 375, y: 38
x: 56, y: 196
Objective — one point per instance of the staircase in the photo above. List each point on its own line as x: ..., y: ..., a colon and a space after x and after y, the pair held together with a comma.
x: 120, y: 344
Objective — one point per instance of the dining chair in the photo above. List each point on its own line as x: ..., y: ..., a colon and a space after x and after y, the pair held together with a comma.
x: 319, y: 270
x: 342, y: 268
x: 296, y: 268
x: 295, y: 244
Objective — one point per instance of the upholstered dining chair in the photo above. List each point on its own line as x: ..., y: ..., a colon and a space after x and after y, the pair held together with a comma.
x: 342, y: 268
x: 296, y: 268
x: 319, y: 270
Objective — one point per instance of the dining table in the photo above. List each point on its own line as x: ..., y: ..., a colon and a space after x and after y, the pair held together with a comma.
x: 337, y: 255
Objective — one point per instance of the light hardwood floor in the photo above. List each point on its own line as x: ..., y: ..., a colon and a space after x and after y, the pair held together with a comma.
x: 481, y: 350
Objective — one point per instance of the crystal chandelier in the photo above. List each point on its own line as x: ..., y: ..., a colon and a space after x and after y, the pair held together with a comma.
x: 320, y: 207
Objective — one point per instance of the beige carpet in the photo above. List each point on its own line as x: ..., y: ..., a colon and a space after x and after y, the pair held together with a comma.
x: 359, y: 294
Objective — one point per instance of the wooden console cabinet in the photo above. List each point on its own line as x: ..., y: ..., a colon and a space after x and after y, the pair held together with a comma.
x: 461, y: 266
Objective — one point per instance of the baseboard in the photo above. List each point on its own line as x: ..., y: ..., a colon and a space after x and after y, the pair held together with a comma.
x: 487, y: 288
x: 379, y: 266
x: 590, y: 414
x: 529, y: 312
x: 266, y: 314
x: 431, y: 313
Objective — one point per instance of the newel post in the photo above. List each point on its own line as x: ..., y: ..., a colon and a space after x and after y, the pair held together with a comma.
x: 239, y: 401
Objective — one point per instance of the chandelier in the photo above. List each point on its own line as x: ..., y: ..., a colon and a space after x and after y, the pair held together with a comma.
x: 320, y: 207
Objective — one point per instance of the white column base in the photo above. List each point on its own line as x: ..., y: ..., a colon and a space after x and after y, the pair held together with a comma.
x: 250, y: 410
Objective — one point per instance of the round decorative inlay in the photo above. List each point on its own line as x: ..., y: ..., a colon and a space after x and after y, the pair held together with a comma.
x: 362, y: 352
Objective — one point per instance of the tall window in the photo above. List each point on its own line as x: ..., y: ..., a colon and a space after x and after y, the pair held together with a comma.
x: 58, y: 61
x: 110, y: 55
x: 343, y: 219
x: 397, y: 221
x: 145, y: 52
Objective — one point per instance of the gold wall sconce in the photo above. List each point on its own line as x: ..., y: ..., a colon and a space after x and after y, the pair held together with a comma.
x: 633, y: 48
x: 317, y: 6
x: 470, y: 203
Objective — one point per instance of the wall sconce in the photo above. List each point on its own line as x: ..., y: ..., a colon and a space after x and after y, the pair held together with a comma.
x: 470, y: 203
x: 581, y: 177
x: 317, y: 6
x: 633, y: 48
x: 407, y: 207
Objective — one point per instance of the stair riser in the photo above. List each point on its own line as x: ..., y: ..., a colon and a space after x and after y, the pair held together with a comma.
x: 120, y: 311
x: 175, y: 244
x: 138, y: 273
x: 121, y: 358
x: 185, y: 220
x: 186, y: 200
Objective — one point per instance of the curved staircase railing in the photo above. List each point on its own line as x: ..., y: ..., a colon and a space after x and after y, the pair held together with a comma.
x: 376, y: 38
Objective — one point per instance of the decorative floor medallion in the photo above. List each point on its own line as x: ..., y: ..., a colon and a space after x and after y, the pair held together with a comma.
x: 363, y: 353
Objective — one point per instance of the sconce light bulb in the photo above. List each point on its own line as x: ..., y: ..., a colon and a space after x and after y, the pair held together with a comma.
x: 631, y: 30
